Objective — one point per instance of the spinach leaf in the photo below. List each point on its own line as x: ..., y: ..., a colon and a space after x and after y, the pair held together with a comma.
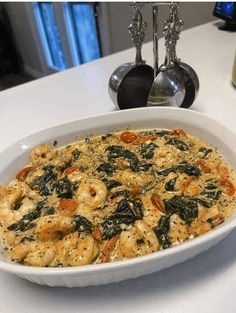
x: 27, y: 239
x: 127, y: 212
x: 22, y: 226
x: 142, y: 167
x: 63, y: 188
x: 25, y: 223
x: 49, y: 211
x: 179, y: 144
x: 112, y: 225
x: 170, y: 185
x: 108, y: 168
x: 115, y: 151
x: 137, y: 208
x: 162, y: 133
x: 134, y: 165
x: 188, y: 169
x: 211, y: 186
x: 161, y: 231
x: 181, y: 168
x: 125, y: 193
x: 75, y: 155
x: 83, y: 225
x: 111, y: 184
x: 204, y: 152
x: 203, y: 202
x: 65, y: 166
x: 211, y: 191
x: 106, y: 136
x: 48, y: 167
x: 131, y: 207
x: 45, y: 182
x: 124, y: 207
x: 186, y: 208
x: 17, y: 204
x: 212, y: 220
x: 147, y: 150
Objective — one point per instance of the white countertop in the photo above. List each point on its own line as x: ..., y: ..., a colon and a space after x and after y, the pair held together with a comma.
x: 204, y: 284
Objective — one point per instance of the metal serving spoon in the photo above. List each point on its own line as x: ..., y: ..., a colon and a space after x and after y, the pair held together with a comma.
x: 190, y: 76
x: 168, y: 88
x: 130, y: 83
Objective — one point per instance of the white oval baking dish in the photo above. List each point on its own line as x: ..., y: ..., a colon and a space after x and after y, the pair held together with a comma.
x: 195, y: 123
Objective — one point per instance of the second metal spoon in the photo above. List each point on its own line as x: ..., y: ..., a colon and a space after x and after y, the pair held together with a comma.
x: 190, y: 76
x: 168, y: 88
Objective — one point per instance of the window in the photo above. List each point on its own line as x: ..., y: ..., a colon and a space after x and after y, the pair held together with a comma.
x: 49, y: 34
x: 82, y: 31
x: 79, y: 21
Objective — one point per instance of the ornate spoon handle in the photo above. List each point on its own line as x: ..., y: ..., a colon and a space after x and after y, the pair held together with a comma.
x: 137, y: 32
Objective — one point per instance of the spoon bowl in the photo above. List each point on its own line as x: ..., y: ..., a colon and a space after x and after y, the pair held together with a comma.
x: 130, y: 83
x: 192, y: 74
x: 168, y: 88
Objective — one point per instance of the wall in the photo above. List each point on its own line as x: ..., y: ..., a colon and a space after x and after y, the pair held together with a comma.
x: 114, y: 19
x: 120, y: 16
x: 26, y: 37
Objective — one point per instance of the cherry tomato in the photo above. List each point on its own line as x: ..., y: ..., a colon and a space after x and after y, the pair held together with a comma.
x: 108, y: 248
x: 157, y: 202
x: 70, y: 170
x: 178, y: 132
x: 140, y: 140
x: 228, y: 186
x: 128, y: 137
x: 135, y: 192
x: 203, y: 165
x: 67, y: 207
x: 22, y: 174
x: 96, y: 233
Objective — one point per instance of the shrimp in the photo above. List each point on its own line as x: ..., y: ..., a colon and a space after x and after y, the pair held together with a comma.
x: 9, y: 199
x: 34, y: 253
x: 151, y: 213
x: 163, y: 156
x: 13, y: 205
x: 54, y: 226
x: 92, y: 193
x: 134, y: 180
x: 20, y: 186
x: 137, y: 241
x: 41, y: 154
x: 23, y: 173
x: 188, y: 186
x: 75, y: 176
x: 206, y: 220
x: 76, y: 249
x: 67, y: 207
x: 69, y: 150
x: 70, y: 207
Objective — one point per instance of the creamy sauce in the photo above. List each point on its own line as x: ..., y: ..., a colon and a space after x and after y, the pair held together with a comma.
x: 114, y: 197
